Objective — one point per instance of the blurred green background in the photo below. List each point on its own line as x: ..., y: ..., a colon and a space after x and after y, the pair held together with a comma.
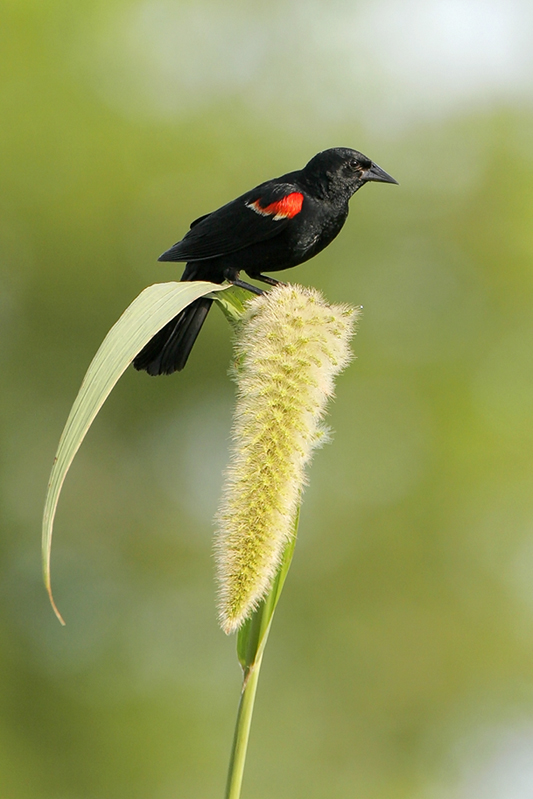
x: 401, y: 659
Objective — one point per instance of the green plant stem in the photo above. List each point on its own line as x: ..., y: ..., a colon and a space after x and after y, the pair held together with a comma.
x: 242, y: 731
x: 251, y: 642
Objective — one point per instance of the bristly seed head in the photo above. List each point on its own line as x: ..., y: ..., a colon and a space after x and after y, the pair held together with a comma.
x: 289, y: 348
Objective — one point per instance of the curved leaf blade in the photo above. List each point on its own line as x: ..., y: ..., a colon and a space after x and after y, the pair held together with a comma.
x: 252, y: 636
x: 147, y: 314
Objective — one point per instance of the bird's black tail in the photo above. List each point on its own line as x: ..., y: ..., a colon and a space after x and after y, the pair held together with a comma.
x: 169, y: 349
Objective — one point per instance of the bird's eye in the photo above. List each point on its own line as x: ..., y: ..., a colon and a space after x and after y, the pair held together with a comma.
x: 354, y: 163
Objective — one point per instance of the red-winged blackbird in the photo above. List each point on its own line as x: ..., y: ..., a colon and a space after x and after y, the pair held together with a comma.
x: 277, y: 225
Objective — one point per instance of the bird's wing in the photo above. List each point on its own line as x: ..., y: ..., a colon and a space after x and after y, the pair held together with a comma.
x: 200, y: 219
x: 256, y: 216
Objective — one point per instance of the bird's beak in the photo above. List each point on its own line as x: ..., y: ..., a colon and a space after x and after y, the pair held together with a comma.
x: 378, y: 175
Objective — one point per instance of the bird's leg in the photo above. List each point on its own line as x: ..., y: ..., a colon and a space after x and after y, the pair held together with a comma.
x: 248, y: 286
x: 270, y: 281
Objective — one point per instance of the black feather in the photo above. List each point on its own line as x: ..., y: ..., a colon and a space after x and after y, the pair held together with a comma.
x: 169, y: 349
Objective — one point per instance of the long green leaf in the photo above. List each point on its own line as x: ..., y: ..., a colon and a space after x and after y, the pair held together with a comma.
x: 146, y: 315
x: 232, y: 303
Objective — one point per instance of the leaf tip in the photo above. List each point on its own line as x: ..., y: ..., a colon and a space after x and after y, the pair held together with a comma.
x: 52, y: 602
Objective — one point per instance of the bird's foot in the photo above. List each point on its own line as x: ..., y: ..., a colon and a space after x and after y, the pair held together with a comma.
x: 270, y: 281
x: 248, y: 286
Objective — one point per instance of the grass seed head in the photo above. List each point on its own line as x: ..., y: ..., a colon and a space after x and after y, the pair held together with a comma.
x: 289, y: 348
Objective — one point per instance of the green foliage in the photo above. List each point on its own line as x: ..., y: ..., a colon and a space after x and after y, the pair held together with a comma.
x: 146, y: 315
x: 252, y: 636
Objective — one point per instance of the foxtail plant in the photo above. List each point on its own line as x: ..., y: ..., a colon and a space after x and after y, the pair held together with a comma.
x: 289, y: 346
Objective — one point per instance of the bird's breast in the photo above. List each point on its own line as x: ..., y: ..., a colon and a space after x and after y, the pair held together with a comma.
x: 317, y: 228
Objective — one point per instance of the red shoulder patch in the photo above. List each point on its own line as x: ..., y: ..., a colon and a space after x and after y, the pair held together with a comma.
x: 285, y: 208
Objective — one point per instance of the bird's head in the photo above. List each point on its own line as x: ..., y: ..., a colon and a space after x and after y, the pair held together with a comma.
x: 340, y: 171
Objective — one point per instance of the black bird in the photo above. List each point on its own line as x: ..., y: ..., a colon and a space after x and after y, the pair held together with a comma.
x: 277, y: 225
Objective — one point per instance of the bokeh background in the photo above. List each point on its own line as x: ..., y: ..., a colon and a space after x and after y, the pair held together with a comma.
x: 401, y: 660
